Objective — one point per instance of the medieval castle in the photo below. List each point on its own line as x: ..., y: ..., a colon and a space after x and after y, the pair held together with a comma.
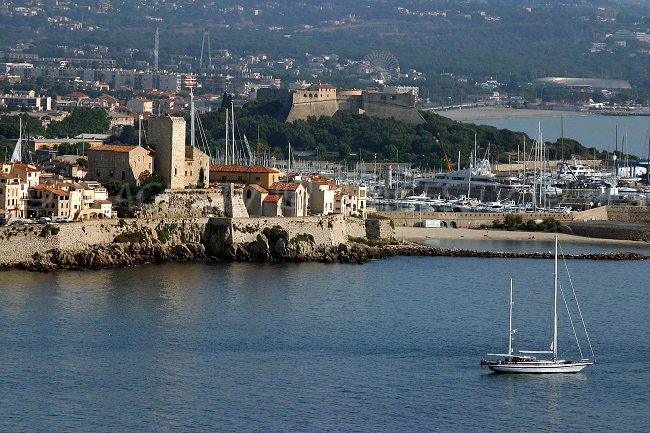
x: 326, y: 100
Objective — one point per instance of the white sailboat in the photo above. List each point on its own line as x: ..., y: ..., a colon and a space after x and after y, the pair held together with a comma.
x: 525, y: 361
x: 16, y: 156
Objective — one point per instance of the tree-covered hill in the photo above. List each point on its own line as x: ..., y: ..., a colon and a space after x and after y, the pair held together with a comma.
x: 360, y: 137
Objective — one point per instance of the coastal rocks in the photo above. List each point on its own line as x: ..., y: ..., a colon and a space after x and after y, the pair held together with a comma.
x: 270, y: 247
x: 421, y: 250
x: 114, y: 256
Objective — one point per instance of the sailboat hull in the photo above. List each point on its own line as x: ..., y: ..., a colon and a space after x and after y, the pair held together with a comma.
x: 540, y: 367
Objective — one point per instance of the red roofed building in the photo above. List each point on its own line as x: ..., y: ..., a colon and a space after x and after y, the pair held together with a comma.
x: 11, y: 204
x: 295, y: 198
x: 248, y: 174
x: 287, y: 199
x: 272, y: 205
x: 114, y: 162
x: 48, y: 201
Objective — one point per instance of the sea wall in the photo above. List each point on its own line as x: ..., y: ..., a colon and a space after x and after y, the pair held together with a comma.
x: 22, y: 244
x: 224, y: 236
x: 462, y: 219
x: 124, y: 242
x: 610, y: 230
x: 629, y: 214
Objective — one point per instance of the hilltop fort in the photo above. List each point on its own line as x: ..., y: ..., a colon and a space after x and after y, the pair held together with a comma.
x: 326, y: 100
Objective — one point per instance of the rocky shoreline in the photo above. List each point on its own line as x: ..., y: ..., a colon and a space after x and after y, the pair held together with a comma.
x: 119, y: 255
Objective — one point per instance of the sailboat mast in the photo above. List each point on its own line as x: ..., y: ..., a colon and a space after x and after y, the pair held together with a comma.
x: 232, y: 131
x: 140, y: 130
x: 555, y: 305
x: 510, y: 321
x: 227, y: 140
x: 192, y: 119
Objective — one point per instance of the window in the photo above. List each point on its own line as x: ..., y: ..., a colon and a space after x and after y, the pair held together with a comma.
x: 257, y: 178
x: 123, y: 175
x: 175, y: 171
x: 249, y: 193
x: 98, y: 174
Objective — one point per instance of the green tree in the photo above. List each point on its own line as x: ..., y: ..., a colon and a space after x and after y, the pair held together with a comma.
x: 201, y: 182
x: 73, y: 148
x: 226, y: 101
x: 151, y: 184
x: 344, y: 151
x: 81, y: 120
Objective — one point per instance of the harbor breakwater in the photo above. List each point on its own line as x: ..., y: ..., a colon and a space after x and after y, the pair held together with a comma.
x: 122, y: 243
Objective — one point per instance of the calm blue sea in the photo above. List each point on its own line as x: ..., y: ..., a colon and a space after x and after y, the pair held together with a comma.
x: 591, y: 130
x: 390, y: 346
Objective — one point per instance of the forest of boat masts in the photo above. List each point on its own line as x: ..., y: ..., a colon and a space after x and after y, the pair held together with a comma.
x: 522, y: 186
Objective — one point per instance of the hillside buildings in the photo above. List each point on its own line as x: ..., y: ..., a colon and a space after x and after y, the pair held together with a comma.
x: 26, y: 192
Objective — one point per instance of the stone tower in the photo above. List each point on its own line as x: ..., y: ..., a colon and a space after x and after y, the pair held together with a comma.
x: 167, y: 136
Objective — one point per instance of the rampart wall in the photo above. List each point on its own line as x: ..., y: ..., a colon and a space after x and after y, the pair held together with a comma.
x: 20, y: 244
x: 23, y: 244
x: 329, y: 101
x: 630, y: 214
x: 611, y: 230
x: 462, y: 219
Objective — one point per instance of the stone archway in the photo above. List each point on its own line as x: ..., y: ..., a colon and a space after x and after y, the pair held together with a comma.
x: 454, y: 225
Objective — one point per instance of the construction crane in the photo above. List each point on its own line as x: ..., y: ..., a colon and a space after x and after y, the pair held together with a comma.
x: 445, y: 158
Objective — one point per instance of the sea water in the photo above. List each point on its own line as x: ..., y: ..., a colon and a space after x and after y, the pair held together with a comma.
x: 392, y: 345
x: 598, y: 131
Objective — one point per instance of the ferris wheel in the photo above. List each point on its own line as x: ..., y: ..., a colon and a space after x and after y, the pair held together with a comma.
x: 382, y: 65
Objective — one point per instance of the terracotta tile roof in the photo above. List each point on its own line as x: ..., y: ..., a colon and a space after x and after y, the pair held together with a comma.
x: 26, y: 168
x: 7, y: 176
x: 77, y: 95
x: 243, y: 169
x: 112, y: 148
x: 257, y: 187
x: 41, y: 186
x: 284, y: 186
x: 59, y: 192
x: 103, y: 202
x: 108, y: 98
x: 273, y: 198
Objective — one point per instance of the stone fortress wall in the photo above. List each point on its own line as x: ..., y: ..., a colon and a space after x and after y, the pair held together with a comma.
x: 218, y: 235
x: 21, y: 244
x: 327, y: 101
